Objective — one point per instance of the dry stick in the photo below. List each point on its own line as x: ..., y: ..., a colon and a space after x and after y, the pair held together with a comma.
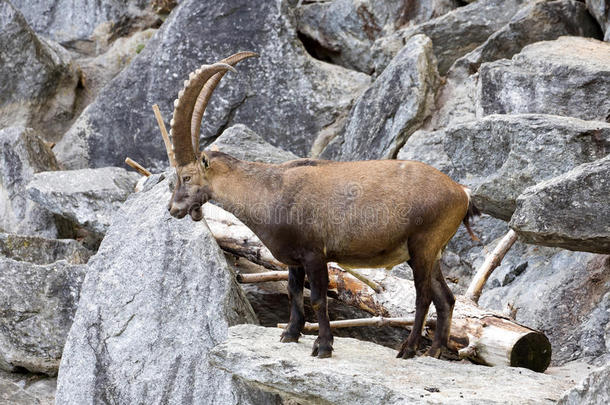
x: 262, y: 277
x: 139, y: 168
x: 349, y: 323
x: 489, y: 265
x: 165, y: 135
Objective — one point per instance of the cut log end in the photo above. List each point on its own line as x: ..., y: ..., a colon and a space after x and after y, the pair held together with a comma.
x: 532, y: 351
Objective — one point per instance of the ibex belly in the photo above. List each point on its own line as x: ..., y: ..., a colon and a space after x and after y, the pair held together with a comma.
x: 387, y: 259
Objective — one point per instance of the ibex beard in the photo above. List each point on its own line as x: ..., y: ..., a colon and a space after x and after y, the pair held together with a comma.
x: 309, y: 212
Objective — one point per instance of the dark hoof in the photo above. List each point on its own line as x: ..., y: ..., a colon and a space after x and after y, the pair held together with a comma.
x: 406, y: 353
x: 322, y: 351
x: 289, y: 338
x: 434, y: 352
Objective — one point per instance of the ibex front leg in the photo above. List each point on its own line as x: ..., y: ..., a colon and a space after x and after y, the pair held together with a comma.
x: 296, y: 279
x: 317, y: 273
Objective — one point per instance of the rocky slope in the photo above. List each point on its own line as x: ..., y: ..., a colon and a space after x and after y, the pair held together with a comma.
x: 507, y: 97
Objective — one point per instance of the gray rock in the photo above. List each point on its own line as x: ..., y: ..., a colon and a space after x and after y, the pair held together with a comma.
x: 594, y: 389
x: 343, y: 31
x: 499, y: 156
x: 569, y: 76
x: 34, y: 249
x: 37, y: 305
x: 389, y: 111
x: 241, y: 142
x: 88, y: 197
x: 284, y: 95
x: 97, y: 71
x: 564, y: 294
x: 600, y: 9
x: 453, y: 34
x: 66, y: 21
x: 538, y: 21
x: 569, y: 211
x: 27, y: 389
x: 365, y: 373
x: 158, y: 295
x: 38, y: 87
x: 22, y: 154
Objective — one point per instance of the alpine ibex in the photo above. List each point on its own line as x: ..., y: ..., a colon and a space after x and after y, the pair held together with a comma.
x: 309, y: 212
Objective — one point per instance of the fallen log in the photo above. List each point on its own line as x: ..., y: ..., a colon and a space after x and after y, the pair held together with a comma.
x: 483, y: 336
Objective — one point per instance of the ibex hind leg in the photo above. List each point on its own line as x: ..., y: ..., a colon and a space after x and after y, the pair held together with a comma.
x: 443, y: 300
x: 421, y: 266
x: 296, y: 279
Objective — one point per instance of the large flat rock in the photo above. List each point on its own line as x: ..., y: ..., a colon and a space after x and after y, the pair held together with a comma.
x: 37, y: 305
x: 570, y: 211
x: 365, y: 373
x: 157, y: 297
x: 499, y: 156
x: 87, y: 197
x: 569, y: 76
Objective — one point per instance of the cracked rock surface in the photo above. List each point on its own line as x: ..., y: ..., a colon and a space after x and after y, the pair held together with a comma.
x: 157, y: 297
x: 365, y: 373
x: 37, y: 305
x: 87, y: 197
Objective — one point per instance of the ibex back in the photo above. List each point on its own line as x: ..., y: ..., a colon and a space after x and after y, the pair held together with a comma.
x: 310, y: 212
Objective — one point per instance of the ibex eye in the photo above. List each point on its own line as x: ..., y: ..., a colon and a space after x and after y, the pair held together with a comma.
x: 186, y: 179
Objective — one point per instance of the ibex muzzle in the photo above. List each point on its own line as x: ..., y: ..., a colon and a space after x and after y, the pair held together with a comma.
x: 310, y: 212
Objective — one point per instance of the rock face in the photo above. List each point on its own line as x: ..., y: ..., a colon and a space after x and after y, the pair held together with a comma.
x: 37, y: 305
x: 453, y: 34
x: 595, y: 389
x: 38, y: 87
x: 569, y: 211
x: 343, y: 31
x: 98, y: 70
x: 500, y: 156
x: 22, y: 154
x: 536, y: 21
x: 88, y: 197
x: 534, y: 81
x: 158, y: 295
x: 19, y: 389
x: 33, y: 249
x: 388, y: 112
x: 63, y: 22
x: 365, y: 373
x: 285, y: 95
x: 242, y: 143
x: 600, y: 9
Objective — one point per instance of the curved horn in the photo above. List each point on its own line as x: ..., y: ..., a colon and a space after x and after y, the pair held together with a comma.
x: 206, y: 93
x: 183, y: 110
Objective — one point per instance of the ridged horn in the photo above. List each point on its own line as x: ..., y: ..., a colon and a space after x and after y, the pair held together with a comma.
x: 206, y: 93
x: 183, y: 111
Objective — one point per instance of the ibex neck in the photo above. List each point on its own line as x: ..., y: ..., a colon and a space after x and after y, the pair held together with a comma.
x: 248, y: 190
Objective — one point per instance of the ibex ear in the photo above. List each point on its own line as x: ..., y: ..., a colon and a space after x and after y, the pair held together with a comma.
x: 204, y: 160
